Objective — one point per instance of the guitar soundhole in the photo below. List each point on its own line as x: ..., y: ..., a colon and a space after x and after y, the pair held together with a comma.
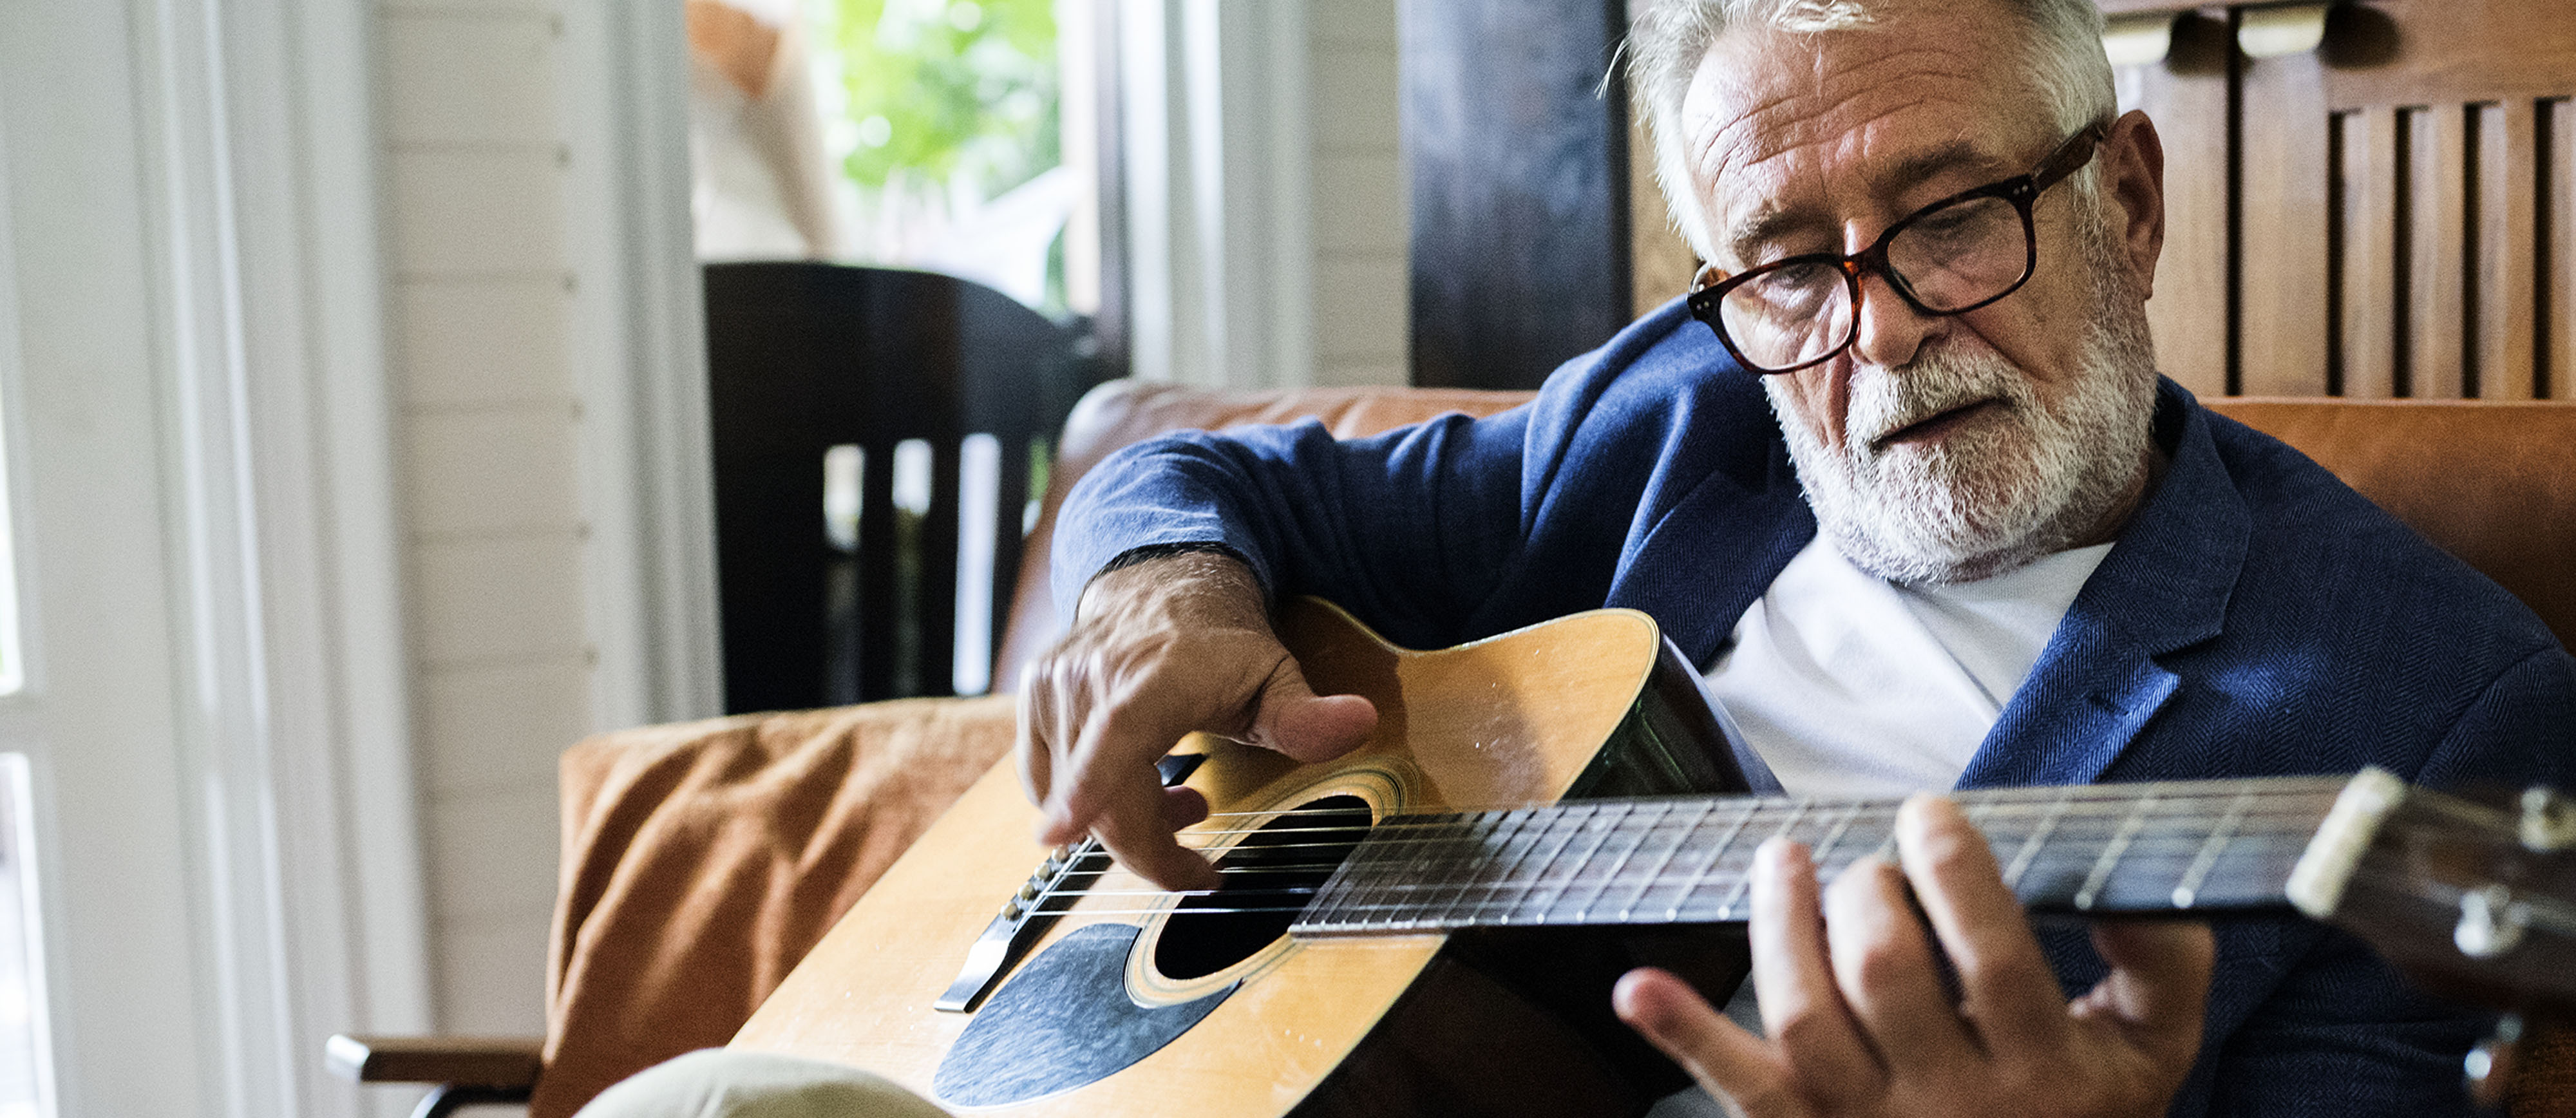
x: 1268, y: 878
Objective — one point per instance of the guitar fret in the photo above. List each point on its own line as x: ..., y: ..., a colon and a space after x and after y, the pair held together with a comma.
x: 1656, y: 873
x: 1483, y: 873
x: 1715, y: 854
x: 1539, y: 876
x: 2111, y: 852
x: 1583, y: 915
x: 1368, y: 876
x: 1744, y: 881
x: 1605, y: 828
x: 2188, y: 890
x: 1424, y: 864
x: 2030, y: 846
x: 2085, y: 849
x: 1825, y: 849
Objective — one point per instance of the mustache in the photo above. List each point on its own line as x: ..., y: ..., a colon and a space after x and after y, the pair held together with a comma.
x: 1936, y: 383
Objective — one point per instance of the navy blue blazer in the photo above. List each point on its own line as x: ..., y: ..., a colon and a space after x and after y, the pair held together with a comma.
x: 2256, y: 617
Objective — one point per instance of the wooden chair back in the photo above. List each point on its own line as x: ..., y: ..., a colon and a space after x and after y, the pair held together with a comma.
x: 907, y: 371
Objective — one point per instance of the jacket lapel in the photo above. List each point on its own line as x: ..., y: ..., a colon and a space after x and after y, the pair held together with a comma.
x: 1711, y: 554
x: 2164, y: 587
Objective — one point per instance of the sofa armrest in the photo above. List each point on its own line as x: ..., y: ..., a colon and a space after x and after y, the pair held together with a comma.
x: 503, y: 1062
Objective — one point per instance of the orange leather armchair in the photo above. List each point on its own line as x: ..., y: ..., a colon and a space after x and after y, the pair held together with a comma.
x: 702, y: 860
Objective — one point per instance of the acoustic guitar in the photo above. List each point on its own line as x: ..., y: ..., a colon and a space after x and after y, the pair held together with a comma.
x: 1430, y: 925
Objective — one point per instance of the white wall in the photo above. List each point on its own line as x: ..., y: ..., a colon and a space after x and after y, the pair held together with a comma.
x: 489, y: 427
x: 556, y: 521
x: 1266, y: 200
x: 1362, y: 302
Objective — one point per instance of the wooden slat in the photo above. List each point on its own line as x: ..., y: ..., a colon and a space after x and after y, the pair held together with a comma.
x: 2437, y: 325
x: 2455, y: 52
x: 2559, y: 376
x: 2282, y: 234
x: 2368, y: 258
x: 2187, y: 100
x: 2506, y: 240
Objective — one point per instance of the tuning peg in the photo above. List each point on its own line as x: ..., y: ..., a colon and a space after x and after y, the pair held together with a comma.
x: 2491, y: 1065
x: 2548, y: 820
x: 2491, y: 922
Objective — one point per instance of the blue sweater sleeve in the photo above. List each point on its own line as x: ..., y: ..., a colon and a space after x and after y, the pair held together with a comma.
x: 1409, y: 529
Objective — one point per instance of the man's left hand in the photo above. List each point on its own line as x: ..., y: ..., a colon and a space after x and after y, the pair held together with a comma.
x: 1860, y: 1022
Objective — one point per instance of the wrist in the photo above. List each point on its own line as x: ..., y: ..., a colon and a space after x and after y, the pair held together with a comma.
x: 1208, y: 581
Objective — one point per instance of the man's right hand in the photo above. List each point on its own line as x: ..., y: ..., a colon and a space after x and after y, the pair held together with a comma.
x: 1158, y: 650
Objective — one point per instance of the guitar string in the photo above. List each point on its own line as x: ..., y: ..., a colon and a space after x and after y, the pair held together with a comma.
x: 2438, y: 893
x: 1985, y: 821
x: 1369, y: 853
x: 2261, y: 881
x: 2298, y: 824
x: 1450, y: 828
x: 2269, y: 865
x: 1991, y: 810
x: 2042, y: 796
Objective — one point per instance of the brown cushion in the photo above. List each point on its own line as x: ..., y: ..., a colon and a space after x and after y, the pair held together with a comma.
x: 702, y: 860
x: 2493, y: 483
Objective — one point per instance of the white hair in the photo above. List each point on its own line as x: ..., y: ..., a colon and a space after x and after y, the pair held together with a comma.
x: 1668, y: 38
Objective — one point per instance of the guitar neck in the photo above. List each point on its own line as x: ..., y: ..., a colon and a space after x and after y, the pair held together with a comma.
x: 2201, y: 846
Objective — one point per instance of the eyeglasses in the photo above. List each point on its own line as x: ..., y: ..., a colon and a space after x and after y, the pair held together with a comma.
x: 1953, y: 256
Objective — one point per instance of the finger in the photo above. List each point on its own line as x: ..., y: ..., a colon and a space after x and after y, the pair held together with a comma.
x: 2008, y: 992
x: 1801, y: 1008
x: 1119, y: 740
x: 1731, y: 1063
x: 1292, y: 719
x: 1883, y: 961
x: 1029, y: 736
x: 1135, y: 828
x: 2158, y: 987
x: 1183, y: 807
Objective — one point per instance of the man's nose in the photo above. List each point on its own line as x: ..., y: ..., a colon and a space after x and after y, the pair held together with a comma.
x: 1890, y: 328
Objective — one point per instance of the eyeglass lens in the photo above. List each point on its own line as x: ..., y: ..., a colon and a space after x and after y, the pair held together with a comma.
x: 1948, y: 259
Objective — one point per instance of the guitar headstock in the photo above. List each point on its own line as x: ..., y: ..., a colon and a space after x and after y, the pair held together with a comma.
x: 2475, y: 900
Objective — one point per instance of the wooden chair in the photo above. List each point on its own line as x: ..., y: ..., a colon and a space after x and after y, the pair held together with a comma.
x: 899, y: 370
x: 702, y: 860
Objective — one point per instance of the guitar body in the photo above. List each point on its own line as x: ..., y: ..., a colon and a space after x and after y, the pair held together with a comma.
x: 1133, y: 1002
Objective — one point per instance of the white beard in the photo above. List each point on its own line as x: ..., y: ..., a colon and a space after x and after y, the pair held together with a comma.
x: 2022, y: 481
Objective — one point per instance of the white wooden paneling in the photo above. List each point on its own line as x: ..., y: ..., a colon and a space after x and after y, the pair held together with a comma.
x: 480, y: 213
x: 492, y: 976
x: 470, y: 78
x: 482, y: 341
x: 493, y: 470
x: 500, y: 726
x: 512, y: 598
x: 481, y: 845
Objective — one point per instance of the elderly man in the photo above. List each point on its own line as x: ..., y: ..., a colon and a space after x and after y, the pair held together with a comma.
x: 1972, y: 540
x: 1911, y: 494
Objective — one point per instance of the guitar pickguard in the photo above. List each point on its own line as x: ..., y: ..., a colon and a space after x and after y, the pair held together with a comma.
x: 1065, y: 1020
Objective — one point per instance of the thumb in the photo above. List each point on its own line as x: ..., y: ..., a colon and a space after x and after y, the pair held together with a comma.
x: 1292, y: 719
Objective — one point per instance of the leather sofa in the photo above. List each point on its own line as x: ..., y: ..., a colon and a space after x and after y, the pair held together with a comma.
x: 701, y: 860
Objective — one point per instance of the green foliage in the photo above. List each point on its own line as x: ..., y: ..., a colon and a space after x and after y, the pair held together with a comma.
x: 942, y: 91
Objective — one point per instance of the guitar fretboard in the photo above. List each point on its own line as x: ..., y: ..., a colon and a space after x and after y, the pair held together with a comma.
x: 2200, y: 846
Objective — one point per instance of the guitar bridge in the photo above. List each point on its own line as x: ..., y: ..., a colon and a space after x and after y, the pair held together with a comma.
x: 1025, y: 916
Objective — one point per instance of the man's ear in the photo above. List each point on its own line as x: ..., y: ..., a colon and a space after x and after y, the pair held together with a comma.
x: 2133, y: 178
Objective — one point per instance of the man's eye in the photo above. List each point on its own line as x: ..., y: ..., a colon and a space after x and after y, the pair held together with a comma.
x: 1800, y: 277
